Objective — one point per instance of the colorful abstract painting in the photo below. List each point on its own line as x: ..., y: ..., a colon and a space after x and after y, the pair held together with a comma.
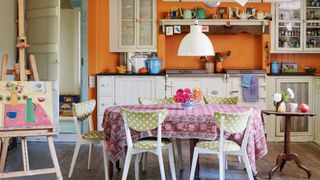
x: 25, y: 104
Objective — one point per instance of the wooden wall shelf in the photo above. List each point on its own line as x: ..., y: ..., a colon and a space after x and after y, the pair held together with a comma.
x: 218, y: 26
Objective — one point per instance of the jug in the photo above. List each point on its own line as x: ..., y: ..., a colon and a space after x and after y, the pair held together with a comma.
x: 201, y: 13
x: 154, y: 65
x: 188, y: 14
x: 137, y: 62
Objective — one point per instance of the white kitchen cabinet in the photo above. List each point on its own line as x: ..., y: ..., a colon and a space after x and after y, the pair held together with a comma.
x: 234, y: 88
x: 213, y: 86
x: 302, y: 127
x: 125, y: 90
x: 297, y: 27
x: 317, y: 107
x: 132, y: 25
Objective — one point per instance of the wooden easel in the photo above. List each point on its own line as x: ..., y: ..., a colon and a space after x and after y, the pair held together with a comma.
x: 22, y: 74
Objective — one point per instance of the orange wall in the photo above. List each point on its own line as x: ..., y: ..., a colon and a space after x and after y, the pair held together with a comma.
x: 247, y: 50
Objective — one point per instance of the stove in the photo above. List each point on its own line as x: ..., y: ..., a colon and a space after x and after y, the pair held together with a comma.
x: 246, y: 71
x: 185, y: 71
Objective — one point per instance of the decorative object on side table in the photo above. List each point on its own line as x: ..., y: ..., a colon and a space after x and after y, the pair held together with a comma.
x: 281, y: 98
x: 187, y: 98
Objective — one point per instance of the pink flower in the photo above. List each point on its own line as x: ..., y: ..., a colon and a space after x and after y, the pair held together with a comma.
x: 187, y: 90
x: 179, y: 92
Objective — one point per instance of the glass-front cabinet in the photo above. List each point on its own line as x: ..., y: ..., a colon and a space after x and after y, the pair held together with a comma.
x: 289, y: 27
x: 132, y: 25
x: 312, y: 25
x: 297, y: 26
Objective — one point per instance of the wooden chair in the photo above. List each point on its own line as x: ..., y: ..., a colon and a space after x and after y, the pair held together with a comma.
x: 220, y: 100
x: 141, y: 122
x: 152, y: 101
x: 232, y: 123
x: 81, y: 112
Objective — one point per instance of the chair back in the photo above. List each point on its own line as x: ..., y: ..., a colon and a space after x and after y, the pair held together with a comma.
x: 144, y: 121
x: 151, y: 101
x: 84, y: 109
x: 234, y: 123
x: 220, y: 100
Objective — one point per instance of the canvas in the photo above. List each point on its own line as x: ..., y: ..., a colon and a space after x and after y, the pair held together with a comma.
x: 25, y: 104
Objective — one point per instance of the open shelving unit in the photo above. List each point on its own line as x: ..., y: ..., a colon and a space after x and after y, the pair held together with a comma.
x: 220, y: 26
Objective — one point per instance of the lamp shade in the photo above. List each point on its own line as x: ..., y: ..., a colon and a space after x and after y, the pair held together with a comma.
x: 196, y: 43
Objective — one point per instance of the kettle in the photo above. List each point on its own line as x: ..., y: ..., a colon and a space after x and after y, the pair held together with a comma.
x: 201, y: 13
x: 138, y: 62
x: 154, y: 65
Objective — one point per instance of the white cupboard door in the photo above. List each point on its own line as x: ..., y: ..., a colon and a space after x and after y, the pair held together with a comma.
x: 128, y: 20
x: 43, y: 32
x: 216, y: 87
x: 317, y: 107
x: 129, y: 89
x: 146, y: 23
x: 303, y: 90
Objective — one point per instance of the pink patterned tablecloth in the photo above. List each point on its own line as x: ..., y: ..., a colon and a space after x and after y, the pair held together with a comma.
x: 197, y: 123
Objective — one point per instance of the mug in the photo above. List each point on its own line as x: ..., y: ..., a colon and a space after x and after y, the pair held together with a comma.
x: 188, y: 14
x: 260, y: 15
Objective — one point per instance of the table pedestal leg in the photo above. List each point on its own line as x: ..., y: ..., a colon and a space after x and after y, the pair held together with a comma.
x: 286, y: 155
x: 193, y: 143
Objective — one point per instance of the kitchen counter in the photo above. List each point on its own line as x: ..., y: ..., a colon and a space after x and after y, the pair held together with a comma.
x: 293, y: 74
x: 129, y: 74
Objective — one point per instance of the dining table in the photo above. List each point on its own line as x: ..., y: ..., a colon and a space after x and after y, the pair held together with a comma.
x: 196, y: 124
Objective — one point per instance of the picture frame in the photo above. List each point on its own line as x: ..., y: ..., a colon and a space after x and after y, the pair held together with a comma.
x: 169, y: 30
x: 205, y: 28
x: 222, y: 12
x: 177, y: 29
x: 65, y: 104
x: 233, y: 12
x: 251, y: 11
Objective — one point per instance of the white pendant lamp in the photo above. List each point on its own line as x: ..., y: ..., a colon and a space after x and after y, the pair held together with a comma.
x: 196, y: 43
x: 242, y: 2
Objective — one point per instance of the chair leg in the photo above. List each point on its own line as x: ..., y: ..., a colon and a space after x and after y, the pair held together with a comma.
x: 248, y: 166
x: 136, y: 166
x: 221, y: 165
x: 239, y: 159
x: 226, y: 161
x: 163, y: 176
x: 194, y: 163
x: 171, y: 161
x: 178, y: 142
x: 105, y: 162
x: 126, y: 165
x: 144, y: 161
x: 74, y: 158
x: 89, y: 156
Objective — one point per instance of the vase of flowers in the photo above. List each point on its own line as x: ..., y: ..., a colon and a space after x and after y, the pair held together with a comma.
x: 280, y: 100
x: 188, y: 98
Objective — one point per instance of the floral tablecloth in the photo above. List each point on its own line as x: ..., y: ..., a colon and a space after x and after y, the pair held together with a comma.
x: 197, y: 123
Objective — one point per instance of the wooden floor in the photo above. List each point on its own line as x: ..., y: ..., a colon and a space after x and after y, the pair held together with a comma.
x: 39, y: 158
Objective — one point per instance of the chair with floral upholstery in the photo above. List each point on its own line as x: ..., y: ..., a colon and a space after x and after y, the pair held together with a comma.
x: 220, y: 100
x: 231, y: 123
x: 152, y: 101
x: 142, y: 122
x: 81, y: 112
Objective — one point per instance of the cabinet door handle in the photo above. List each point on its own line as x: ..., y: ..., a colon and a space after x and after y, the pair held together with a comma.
x: 232, y: 92
x: 214, y: 92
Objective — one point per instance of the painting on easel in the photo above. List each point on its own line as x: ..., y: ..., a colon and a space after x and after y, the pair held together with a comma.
x: 25, y: 104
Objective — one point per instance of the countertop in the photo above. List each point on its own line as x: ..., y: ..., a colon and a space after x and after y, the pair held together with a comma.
x: 128, y: 74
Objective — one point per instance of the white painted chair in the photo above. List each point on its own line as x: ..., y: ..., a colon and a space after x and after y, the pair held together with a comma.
x: 232, y: 123
x: 81, y: 112
x: 152, y: 101
x: 222, y: 100
x: 141, y: 122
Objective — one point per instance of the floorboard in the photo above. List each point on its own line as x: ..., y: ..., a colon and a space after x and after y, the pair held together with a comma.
x: 40, y: 158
